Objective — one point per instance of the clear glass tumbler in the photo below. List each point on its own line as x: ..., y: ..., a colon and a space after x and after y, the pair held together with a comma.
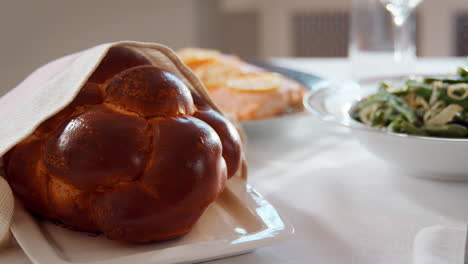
x: 382, y: 37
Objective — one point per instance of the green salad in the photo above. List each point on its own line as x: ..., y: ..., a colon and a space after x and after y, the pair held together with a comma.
x: 424, y: 106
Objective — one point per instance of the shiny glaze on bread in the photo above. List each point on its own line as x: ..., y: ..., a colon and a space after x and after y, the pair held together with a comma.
x: 133, y: 156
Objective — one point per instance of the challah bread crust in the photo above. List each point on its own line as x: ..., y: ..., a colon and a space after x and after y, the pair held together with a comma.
x: 132, y: 156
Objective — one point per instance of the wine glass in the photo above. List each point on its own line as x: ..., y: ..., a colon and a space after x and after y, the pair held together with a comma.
x: 382, y: 39
x: 404, y: 47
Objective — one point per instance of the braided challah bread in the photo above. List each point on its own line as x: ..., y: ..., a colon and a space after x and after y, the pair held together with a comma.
x: 137, y: 155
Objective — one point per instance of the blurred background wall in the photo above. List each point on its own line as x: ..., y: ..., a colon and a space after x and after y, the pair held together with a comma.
x: 35, y: 32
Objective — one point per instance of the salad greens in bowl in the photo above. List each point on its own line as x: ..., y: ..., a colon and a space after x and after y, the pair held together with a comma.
x: 423, y: 106
x: 419, y: 124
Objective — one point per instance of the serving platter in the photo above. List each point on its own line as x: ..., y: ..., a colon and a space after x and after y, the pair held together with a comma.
x: 281, y: 125
x: 310, y: 81
x: 239, y: 221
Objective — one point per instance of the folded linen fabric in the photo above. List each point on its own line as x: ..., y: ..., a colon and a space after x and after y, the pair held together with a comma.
x: 6, y: 211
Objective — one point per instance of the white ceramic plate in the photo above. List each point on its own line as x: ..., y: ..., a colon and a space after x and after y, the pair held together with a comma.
x: 425, y: 157
x: 239, y: 221
x: 274, y: 127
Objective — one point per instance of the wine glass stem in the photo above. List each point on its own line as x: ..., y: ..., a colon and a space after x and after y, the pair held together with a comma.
x: 403, y: 38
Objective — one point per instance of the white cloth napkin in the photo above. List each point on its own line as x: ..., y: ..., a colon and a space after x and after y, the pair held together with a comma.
x: 6, y: 211
x: 53, y: 86
x: 440, y: 245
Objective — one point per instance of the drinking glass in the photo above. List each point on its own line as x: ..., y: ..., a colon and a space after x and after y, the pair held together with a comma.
x: 382, y: 37
x: 402, y: 34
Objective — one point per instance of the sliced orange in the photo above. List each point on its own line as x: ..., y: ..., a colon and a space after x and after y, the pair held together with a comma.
x: 196, y: 55
x: 216, y: 73
x: 259, y: 82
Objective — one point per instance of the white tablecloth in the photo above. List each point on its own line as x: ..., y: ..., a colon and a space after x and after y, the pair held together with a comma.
x: 347, y: 206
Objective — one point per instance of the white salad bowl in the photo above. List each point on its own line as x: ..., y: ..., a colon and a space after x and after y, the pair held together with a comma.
x: 426, y: 157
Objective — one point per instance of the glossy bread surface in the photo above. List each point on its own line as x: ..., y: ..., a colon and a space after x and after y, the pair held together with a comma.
x: 132, y: 156
x: 172, y: 98
x: 98, y: 148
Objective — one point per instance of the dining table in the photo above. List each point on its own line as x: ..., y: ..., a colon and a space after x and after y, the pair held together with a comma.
x: 346, y: 205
